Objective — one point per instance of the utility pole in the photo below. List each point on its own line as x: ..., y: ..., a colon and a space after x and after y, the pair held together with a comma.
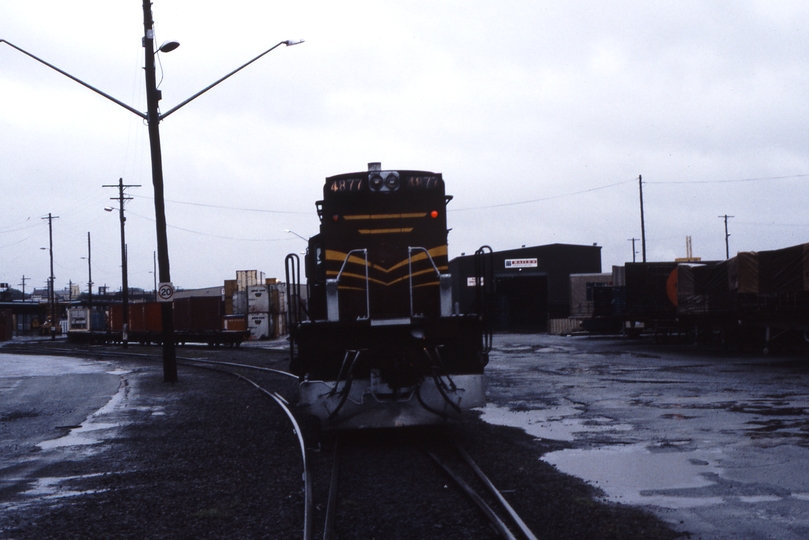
x: 642, y: 221
x: 24, y: 279
x: 124, y: 274
x: 727, y: 244
x: 89, y: 279
x: 633, y: 247
x: 51, y: 294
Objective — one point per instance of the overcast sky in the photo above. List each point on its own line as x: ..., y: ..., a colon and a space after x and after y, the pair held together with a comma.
x: 540, y: 115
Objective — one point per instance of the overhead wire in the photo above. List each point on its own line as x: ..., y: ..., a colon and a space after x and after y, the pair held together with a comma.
x: 221, y: 207
x: 659, y: 182
x: 212, y: 235
x: 728, y: 181
x: 551, y: 197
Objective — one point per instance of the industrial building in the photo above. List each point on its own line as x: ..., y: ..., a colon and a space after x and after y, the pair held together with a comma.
x: 531, y: 284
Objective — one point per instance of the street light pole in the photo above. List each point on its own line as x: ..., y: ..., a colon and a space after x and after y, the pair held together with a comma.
x: 153, y: 119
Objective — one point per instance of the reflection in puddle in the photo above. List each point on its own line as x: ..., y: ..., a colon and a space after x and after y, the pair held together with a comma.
x: 633, y: 474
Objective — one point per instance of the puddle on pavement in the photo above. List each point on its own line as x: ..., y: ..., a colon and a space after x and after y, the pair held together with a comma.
x: 559, y: 423
x: 633, y: 474
x: 629, y: 474
x: 85, y: 434
x: 51, y: 487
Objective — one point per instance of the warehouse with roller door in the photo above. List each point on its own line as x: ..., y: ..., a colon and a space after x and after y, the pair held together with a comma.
x: 531, y: 284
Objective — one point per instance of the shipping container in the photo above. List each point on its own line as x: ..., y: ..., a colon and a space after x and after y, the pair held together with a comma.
x: 198, y: 313
x: 248, y: 278
x: 259, y: 326
x: 6, y: 325
x: 581, y: 292
x: 235, y: 323
x: 651, y: 291
x: 258, y: 299
x: 784, y: 270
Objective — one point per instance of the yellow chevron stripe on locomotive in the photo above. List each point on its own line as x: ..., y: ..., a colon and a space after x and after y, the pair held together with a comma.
x: 381, y: 275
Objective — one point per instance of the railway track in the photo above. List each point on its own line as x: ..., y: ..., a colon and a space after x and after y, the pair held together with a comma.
x: 429, y: 454
x: 448, y: 460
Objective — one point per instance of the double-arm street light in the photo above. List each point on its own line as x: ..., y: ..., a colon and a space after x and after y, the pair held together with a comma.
x: 153, y: 117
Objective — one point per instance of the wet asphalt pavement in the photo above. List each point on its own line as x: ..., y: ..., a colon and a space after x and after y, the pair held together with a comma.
x: 716, y: 444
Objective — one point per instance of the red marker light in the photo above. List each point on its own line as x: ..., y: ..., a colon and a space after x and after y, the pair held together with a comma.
x: 335, y: 218
x: 434, y: 214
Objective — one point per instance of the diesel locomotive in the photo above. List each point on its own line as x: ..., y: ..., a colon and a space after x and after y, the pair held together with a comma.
x: 379, y: 342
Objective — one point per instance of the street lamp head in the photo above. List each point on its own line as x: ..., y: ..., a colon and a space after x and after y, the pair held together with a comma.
x: 291, y: 42
x: 168, y: 46
x: 108, y: 208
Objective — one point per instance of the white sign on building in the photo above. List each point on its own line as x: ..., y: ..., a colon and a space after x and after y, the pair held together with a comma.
x: 521, y: 263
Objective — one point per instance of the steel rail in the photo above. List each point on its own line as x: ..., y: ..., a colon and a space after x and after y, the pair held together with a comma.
x: 307, y: 477
x: 331, y: 505
x: 495, y: 520
x: 496, y: 493
x: 77, y: 352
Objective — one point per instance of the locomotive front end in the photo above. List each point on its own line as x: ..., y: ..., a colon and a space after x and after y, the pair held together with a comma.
x: 379, y: 344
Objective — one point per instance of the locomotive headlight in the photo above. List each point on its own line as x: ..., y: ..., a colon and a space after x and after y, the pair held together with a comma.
x: 376, y: 181
x: 392, y: 181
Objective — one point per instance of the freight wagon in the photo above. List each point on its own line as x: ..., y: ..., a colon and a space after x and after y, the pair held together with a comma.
x: 199, y: 319
x: 761, y: 297
x: 755, y: 298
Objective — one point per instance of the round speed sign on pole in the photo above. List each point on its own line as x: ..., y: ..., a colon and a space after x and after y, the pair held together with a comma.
x: 165, y: 292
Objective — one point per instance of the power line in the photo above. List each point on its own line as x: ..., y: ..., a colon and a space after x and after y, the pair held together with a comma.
x: 730, y: 181
x: 543, y: 198
x: 262, y: 210
x: 211, y: 235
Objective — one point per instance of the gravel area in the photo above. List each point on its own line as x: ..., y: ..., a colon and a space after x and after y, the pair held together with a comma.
x: 220, y: 460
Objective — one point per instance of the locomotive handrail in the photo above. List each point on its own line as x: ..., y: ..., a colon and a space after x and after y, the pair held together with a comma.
x: 444, y: 282
x: 484, y: 288
x: 291, y: 264
x: 332, y: 300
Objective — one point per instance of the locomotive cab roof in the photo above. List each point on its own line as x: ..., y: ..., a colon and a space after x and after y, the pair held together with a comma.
x: 378, y: 182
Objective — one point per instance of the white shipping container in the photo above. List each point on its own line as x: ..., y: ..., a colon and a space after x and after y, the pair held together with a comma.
x: 258, y: 299
x: 79, y: 318
x: 259, y: 325
x: 240, y: 302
